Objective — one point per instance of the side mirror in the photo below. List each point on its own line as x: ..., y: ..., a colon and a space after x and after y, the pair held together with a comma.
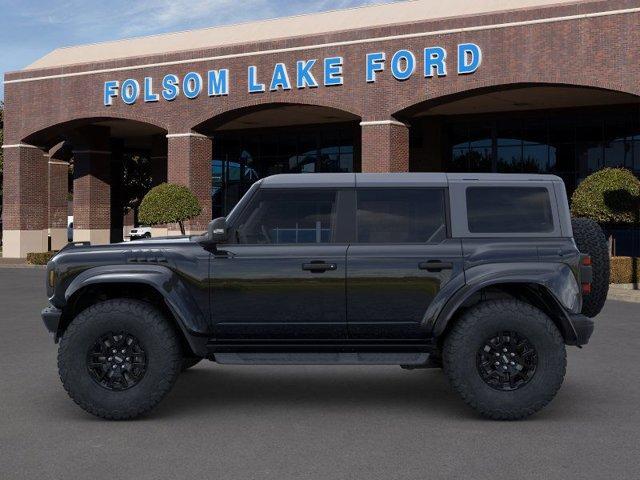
x: 217, y: 230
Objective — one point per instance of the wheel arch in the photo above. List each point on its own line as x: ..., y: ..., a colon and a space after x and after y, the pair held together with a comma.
x: 149, y: 287
x: 536, y: 294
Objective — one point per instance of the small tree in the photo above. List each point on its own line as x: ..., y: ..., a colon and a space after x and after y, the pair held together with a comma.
x: 608, y: 196
x: 169, y: 203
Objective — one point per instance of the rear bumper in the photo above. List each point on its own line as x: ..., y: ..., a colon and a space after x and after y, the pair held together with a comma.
x: 51, y: 317
x: 583, y: 327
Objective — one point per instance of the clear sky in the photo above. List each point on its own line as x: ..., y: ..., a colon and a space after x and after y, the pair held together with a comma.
x: 31, y: 28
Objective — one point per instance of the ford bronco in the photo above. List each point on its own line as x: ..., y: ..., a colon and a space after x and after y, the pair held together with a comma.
x: 482, y: 275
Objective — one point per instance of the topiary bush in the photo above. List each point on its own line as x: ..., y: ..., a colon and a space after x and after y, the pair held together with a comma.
x: 610, y: 195
x: 169, y: 203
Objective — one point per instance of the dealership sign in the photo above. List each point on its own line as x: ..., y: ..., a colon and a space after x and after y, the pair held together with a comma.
x: 309, y: 73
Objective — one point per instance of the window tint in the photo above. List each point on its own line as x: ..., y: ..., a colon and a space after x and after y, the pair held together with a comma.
x: 509, y: 210
x: 413, y: 215
x: 289, y: 216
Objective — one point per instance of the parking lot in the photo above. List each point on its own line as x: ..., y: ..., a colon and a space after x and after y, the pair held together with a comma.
x: 240, y: 422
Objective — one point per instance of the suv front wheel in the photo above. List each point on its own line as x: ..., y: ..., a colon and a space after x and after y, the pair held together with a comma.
x: 119, y: 358
x: 505, y: 358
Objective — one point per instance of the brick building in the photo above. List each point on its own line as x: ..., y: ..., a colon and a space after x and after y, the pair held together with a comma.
x: 545, y: 86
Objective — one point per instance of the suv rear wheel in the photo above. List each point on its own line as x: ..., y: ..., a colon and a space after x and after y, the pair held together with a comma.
x: 505, y: 358
x: 119, y: 358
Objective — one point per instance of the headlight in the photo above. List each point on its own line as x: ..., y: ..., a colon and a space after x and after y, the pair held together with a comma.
x: 52, y: 278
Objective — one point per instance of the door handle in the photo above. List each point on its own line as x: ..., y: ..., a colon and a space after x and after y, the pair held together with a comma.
x: 435, y: 266
x: 319, y: 266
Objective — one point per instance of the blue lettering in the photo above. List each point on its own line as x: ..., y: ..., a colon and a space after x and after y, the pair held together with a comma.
x: 403, y: 64
x: 434, y: 57
x: 149, y: 96
x: 170, y: 87
x: 130, y: 91
x: 333, y: 71
x: 469, y: 58
x: 304, y: 77
x: 192, y: 85
x: 110, y: 92
x: 254, y: 86
x: 280, y: 78
x: 218, y: 81
x: 375, y: 63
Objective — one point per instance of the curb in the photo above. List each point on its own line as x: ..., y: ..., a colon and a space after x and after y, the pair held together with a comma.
x: 624, y: 293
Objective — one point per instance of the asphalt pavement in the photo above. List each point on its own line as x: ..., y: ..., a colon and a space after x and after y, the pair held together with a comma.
x: 243, y: 422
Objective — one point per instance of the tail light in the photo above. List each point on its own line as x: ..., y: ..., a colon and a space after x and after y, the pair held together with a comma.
x: 585, y: 274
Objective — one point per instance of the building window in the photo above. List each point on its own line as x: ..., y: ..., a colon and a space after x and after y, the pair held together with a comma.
x: 242, y: 157
x: 570, y: 143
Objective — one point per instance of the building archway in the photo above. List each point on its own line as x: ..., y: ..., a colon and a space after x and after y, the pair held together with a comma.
x: 93, y: 171
x: 261, y: 140
x: 566, y: 130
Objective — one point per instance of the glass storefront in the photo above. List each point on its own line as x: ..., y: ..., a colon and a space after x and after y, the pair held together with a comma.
x: 570, y: 143
x: 243, y: 156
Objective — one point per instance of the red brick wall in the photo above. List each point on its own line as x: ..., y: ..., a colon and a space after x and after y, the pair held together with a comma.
x: 24, y: 201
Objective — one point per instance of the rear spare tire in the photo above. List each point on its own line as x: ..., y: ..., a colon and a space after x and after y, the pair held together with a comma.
x: 590, y: 239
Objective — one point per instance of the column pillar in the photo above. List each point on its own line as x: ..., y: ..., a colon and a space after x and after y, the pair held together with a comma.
x: 58, y: 190
x: 385, y: 146
x: 92, y: 186
x: 25, y: 201
x: 158, y: 160
x: 189, y: 164
x: 159, y: 174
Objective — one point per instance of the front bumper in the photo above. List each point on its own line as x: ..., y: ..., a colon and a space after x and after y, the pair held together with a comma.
x: 583, y: 327
x: 51, y: 316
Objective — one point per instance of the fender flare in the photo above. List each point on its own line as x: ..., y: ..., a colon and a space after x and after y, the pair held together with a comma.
x: 558, y: 291
x: 190, y: 319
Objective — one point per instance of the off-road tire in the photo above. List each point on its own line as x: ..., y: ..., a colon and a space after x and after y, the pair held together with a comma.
x: 188, y: 362
x: 590, y: 239
x: 154, y: 332
x: 470, y: 333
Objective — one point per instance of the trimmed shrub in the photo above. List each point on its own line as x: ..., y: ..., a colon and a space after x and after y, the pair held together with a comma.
x: 622, y: 270
x: 40, y: 258
x: 610, y: 195
x: 168, y: 203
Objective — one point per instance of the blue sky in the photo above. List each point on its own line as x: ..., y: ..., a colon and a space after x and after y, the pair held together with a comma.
x: 31, y: 28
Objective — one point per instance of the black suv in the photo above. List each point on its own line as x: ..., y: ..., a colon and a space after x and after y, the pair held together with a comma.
x: 478, y: 274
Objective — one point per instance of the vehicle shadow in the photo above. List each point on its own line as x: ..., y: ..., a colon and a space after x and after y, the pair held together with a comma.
x: 236, y: 388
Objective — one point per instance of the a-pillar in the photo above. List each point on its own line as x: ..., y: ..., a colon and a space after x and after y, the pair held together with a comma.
x: 385, y: 146
x: 189, y: 164
x: 24, y: 202
x: 58, y: 191
x: 92, y: 186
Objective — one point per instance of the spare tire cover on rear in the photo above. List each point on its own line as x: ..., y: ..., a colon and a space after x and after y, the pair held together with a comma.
x: 590, y: 239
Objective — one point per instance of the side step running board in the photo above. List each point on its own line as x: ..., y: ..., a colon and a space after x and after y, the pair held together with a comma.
x: 324, y: 358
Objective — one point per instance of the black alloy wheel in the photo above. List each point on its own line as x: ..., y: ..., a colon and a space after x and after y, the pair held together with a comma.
x: 507, y: 361
x: 117, y: 361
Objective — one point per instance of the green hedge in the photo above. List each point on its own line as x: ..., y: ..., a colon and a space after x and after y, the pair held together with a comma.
x: 622, y: 270
x: 41, y: 258
x: 610, y: 195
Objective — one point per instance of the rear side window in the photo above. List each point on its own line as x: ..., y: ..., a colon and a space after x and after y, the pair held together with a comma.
x: 509, y: 210
x: 411, y: 215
